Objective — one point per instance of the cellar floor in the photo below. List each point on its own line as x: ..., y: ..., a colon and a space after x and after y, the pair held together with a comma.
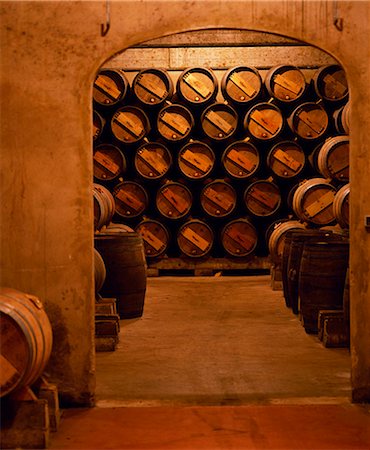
x: 218, y: 363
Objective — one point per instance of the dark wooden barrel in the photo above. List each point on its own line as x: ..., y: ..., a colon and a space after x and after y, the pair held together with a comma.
x: 110, y: 87
x: 262, y: 198
x: 197, y: 86
x: 241, y: 160
x: 155, y: 237
x: 98, y: 125
x: 195, y: 238
x: 131, y: 199
x: 241, y: 85
x: 175, y: 123
x: 99, y: 271
x: 152, y: 160
x: 218, y: 198
x: 104, y: 206
x: 219, y: 121
x: 341, y: 119
x: 26, y: 339
x: 109, y: 162
x: 291, y: 260
x: 309, y: 121
x: 330, y: 83
x: 346, y: 300
x: 313, y: 201
x: 130, y: 124
x: 276, y: 238
x: 239, y: 238
x: 285, y: 83
x: 174, y: 200
x: 341, y: 206
x: 333, y: 158
x: 196, y: 160
x: 286, y: 159
x: 264, y: 122
x: 321, y: 279
x: 152, y: 87
x: 124, y: 258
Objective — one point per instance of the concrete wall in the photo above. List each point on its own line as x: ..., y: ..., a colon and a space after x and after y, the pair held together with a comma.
x: 49, y: 54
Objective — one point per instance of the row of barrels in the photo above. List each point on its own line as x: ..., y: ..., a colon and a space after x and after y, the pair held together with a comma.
x: 315, y: 201
x: 199, y: 86
x: 264, y: 122
x: 314, y: 265
x: 241, y: 160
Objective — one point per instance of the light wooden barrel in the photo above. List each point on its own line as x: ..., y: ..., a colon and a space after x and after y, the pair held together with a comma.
x: 218, y: 198
x: 341, y: 206
x: 309, y: 121
x: 241, y: 85
x: 131, y: 199
x: 330, y: 83
x: 99, y: 271
x: 174, y: 200
x: 286, y: 159
x: 286, y: 83
x: 109, y: 162
x: 155, y: 237
x: 104, y: 206
x: 241, y: 160
x: 313, y: 201
x: 152, y: 161
x: 152, y: 87
x: 276, y: 239
x: 175, y: 123
x: 195, y: 238
x: 264, y: 121
x: 130, y: 124
x: 333, y: 158
x: 196, y: 160
x: 219, y: 121
x: 98, y: 125
x: 239, y: 238
x: 197, y: 86
x: 262, y: 198
x: 110, y: 87
x: 26, y: 339
x: 341, y: 119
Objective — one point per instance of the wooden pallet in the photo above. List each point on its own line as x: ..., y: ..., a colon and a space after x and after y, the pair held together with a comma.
x: 207, y: 267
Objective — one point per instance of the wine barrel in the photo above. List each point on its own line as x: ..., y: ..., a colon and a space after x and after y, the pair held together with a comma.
x: 124, y: 258
x: 175, y: 123
x: 313, y: 201
x: 98, y: 125
x: 241, y: 85
x: 195, y: 238
x: 341, y: 206
x: 117, y: 228
x: 264, y: 121
x: 341, y: 119
x: 219, y: 121
x: 239, y: 238
x: 196, y: 160
x: 104, y: 206
x: 309, y: 121
x: 26, y: 339
x: 262, y: 198
x: 152, y: 160
x: 321, y: 279
x: 130, y: 198
x: 286, y: 159
x: 109, y: 162
x: 99, y: 271
x: 218, y: 198
x: 333, y: 158
x: 152, y: 87
x: 174, y: 200
x: 110, y: 87
x: 241, y: 160
x: 285, y: 83
x: 277, y: 236
x: 291, y: 260
x: 197, y: 86
x: 155, y: 237
x: 330, y: 83
x: 130, y: 124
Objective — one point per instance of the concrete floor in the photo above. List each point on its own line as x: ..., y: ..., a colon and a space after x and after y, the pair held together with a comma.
x: 217, y: 341
x: 218, y: 363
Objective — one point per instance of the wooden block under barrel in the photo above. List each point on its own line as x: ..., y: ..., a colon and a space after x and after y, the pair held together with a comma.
x: 106, y: 306
x: 333, y: 329
x: 107, y: 324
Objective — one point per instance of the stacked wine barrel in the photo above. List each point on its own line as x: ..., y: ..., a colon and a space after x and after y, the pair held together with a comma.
x: 202, y: 166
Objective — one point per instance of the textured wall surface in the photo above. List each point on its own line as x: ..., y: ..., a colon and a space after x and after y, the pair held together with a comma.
x: 50, y: 52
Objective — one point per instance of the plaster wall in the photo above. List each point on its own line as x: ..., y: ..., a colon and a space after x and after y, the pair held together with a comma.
x: 50, y: 52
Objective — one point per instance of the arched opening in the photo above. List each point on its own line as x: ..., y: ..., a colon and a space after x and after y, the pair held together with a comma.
x: 175, y: 54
